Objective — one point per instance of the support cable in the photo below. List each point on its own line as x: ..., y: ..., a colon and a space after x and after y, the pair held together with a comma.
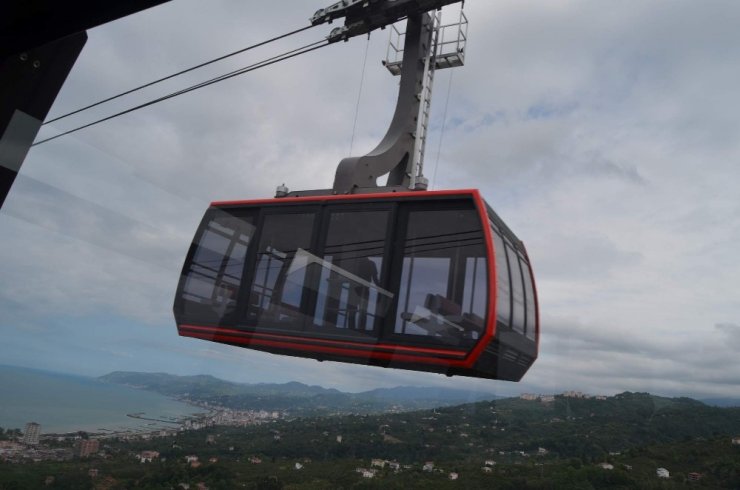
x: 269, y: 61
x: 442, y: 132
x: 359, y: 95
x: 187, y: 70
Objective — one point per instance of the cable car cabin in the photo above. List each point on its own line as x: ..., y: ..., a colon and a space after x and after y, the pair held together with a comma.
x: 427, y: 281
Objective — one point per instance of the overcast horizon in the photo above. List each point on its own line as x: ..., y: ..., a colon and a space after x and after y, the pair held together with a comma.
x: 605, y: 134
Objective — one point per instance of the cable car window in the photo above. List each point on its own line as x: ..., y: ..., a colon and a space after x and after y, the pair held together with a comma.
x: 517, y: 291
x: 475, y: 292
x: 350, y: 292
x: 503, y: 288
x: 434, y: 273
x: 529, y: 291
x: 280, y: 270
x: 213, y: 276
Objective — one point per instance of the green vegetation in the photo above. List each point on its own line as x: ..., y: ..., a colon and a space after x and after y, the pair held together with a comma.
x: 524, y: 445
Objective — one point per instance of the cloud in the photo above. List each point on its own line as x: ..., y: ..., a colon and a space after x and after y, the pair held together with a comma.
x: 605, y: 136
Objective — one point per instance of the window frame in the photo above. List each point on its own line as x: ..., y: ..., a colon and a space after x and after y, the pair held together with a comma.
x: 243, y: 321
x: 210, y: 216
x: 406, y: 207
x: 327, y: 210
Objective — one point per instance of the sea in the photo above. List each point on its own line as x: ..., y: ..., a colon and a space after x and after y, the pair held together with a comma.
x: 63, y: 403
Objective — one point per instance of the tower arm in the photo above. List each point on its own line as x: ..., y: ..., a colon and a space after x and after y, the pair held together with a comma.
x: 363, y: 16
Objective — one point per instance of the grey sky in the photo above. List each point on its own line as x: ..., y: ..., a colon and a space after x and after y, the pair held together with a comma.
x: 606, y: 134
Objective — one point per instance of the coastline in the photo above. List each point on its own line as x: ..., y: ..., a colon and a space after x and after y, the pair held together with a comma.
x: 68, y: 404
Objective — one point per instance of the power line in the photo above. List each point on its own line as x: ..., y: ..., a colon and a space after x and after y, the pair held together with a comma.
x: 201, y: 65
x: 269, y: 61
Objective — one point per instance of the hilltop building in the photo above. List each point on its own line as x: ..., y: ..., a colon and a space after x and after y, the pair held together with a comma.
x: 32, y: 433
x: 736, y: 441
x: 574, y: 394
x: 662, y: 473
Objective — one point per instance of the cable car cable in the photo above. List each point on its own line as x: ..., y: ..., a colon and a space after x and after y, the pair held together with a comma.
x: 442, y: 131
x: 187, y: 70
x: 269, y: 61
x: 359, y: 95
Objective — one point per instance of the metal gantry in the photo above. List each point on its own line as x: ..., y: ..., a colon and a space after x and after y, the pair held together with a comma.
x: 415, y: 54
x: 448, y: 51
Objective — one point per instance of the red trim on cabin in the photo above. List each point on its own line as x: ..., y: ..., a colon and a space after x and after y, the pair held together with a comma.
x: 390, y: 356
x: 490, y: 330
x: 349, y: 197
x: 361, y: 345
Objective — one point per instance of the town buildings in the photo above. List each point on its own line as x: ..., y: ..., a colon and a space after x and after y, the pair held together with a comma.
x: 86, y: 447
x: 31, y: 434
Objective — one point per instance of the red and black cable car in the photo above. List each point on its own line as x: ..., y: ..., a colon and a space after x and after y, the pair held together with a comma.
x: 391, y: 276
x: 428, y: 281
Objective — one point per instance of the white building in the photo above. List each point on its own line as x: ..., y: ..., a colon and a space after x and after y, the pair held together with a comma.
x: 32, y: 433
x: 662, y: 473
x: 736, y: 441
x: 606, y: 466
x: 454, y: 476
x: 148, y: 456
x: 574, y: 394
x: 428, y: 466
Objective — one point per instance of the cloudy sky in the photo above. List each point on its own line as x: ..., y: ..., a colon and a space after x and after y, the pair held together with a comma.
x: 606, y: 134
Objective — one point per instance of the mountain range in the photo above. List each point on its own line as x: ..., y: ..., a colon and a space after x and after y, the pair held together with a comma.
x: 297, y: 398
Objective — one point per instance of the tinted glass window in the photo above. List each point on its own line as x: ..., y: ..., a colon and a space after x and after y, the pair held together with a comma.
x: 349, y: 291
x: 475, y: 291
x: 280, y: 270
x: 503, y: 287
x: 529, y: 291
x: 443, y: 290
x: 211, y: 280
x: 517, y: 291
